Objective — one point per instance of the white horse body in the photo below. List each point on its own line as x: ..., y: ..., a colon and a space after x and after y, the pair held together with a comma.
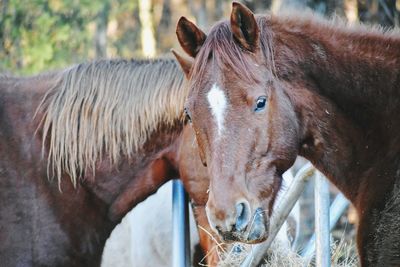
x: 144, y: 237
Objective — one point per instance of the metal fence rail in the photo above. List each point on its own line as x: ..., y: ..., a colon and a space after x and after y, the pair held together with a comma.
x: 326, y: 217
x: 322, y: 233
x: 180, y: 226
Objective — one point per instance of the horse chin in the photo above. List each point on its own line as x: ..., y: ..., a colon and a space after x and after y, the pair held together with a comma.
x: 256, y: 241
x: 256, y: 234
x: 247, y: 238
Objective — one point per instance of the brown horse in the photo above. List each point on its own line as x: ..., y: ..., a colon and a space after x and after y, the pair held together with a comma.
x: 264, y: 89
x: 115, y: 128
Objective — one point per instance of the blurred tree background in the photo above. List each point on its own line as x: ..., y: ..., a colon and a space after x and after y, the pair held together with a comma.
x: 38, y: 35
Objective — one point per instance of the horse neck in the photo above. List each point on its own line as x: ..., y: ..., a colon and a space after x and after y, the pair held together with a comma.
x: 106, y: 195
x: 348, y: 87
x: 358, y: 71
x: 139, y: 176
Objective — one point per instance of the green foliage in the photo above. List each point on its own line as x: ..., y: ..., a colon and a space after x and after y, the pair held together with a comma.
x: 36, y: 35
x: 39, y: 35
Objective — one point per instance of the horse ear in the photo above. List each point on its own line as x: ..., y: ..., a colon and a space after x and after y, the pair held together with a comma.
x: 244, y: 27
x: 190, y: 37
x: 186, y: 63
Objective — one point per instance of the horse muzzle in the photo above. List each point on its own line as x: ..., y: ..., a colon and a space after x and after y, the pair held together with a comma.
x: 247, y: 229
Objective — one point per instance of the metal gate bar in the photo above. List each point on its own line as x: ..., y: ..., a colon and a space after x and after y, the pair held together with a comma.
x: 322, y: 233
x: 338, y: 206
x: 323, y: 223
x: 180, y: 226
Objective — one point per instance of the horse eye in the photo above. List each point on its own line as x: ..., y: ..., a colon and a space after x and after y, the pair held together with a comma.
x: 187, y: 116
x: 260, y: 104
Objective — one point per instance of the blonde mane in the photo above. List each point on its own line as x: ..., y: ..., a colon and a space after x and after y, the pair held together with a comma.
x: 108, y: 107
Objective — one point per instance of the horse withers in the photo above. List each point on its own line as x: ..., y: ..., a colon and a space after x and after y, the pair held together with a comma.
x: 264, y: 89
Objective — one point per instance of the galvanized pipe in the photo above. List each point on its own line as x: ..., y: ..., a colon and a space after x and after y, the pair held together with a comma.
x: 180, y: 226
x: 338, y: 206
x: 322, y: 233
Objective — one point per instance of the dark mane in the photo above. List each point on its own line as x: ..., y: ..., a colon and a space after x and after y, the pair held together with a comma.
x: 221, y: 48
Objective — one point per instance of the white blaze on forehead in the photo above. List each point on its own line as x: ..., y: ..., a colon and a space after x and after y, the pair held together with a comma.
x: 217, y: 101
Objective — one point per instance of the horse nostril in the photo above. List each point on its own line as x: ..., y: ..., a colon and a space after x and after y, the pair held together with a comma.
x: 259, y: 214
x: 259, y: 226
x: 237, y: 248
x: 242, y: 216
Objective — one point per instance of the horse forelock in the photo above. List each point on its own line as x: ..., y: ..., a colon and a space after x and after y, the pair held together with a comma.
x: 223, y: 51
x: 108, y: 107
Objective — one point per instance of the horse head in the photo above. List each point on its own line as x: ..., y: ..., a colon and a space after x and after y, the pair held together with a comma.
x: 245, y: 125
